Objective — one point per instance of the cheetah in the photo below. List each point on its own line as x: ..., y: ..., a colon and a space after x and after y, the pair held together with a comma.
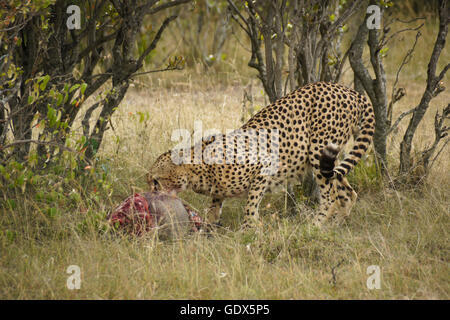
x: 313, y: 124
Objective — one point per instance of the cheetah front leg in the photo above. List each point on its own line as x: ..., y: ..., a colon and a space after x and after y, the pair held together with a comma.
x: 255, y: 194
x: 214, y: 211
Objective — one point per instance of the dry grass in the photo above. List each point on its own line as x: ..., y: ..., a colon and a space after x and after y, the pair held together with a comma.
x: 405, y: 232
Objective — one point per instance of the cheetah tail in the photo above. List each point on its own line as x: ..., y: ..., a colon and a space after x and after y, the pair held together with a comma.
x: 360, y: 146
x: 327, y: 159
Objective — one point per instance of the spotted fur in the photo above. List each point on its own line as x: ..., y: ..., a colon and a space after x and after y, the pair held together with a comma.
x: 314, y: 123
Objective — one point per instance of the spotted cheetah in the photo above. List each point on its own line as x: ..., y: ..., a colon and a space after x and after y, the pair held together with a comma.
x: 313, y: 124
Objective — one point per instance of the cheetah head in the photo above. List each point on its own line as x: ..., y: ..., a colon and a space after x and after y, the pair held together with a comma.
x: 166, y: 175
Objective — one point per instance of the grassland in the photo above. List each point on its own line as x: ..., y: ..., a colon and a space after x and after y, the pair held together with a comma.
x: 405, y: 231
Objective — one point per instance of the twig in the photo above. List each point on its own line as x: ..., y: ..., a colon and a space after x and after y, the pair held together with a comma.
x: 50, y: 143
x: 157, y: 70
x: 443, y: 72
x: 87, y: 117
x: 406, y: 60
x: 334, y: 274
x: 384, y: 42
x: 437, y: 155
x: 341, y: 65
x: 400, y: 117
x: 236, y: 10
x: 236, y: 37
x: 155, y: 40
x: 167, y: 5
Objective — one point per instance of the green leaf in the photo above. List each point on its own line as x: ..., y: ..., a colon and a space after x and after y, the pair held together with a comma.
x: 44, y: 82
x: 50, y: 113
x: 20, y: 180
x: 51, y: 116
x: 83, y: 141
x: 83, y: 88
x: 59, y: 99
x: 387, y: 3
x: 74, y: 87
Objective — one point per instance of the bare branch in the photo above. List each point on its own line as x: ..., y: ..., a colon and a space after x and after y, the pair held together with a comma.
x: 400, y: 118
x: 169, y: 68
x: 405, y: 61
x: 87, y: 117
x: 96, y: 44
x: 155, y: 40
x: 384, y: 42
x: 441, y: 132
x: 26, y: 141
x: 398, y: 94
x: 443, y: 72
x: 240, y: 25
x: 146, y: 7
x: 345, y: 16
x: 166, y: 6
x: 341, y: 65
x: 438, y: 154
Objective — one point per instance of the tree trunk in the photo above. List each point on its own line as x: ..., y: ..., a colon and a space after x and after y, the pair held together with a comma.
x: 432, y: 89
x: 375, y: 88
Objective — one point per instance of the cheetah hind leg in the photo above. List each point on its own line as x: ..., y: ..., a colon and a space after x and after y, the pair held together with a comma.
x: 337, y: 196
x: 328, y: 200
x: 255, y: 194
x: 346, y: 199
